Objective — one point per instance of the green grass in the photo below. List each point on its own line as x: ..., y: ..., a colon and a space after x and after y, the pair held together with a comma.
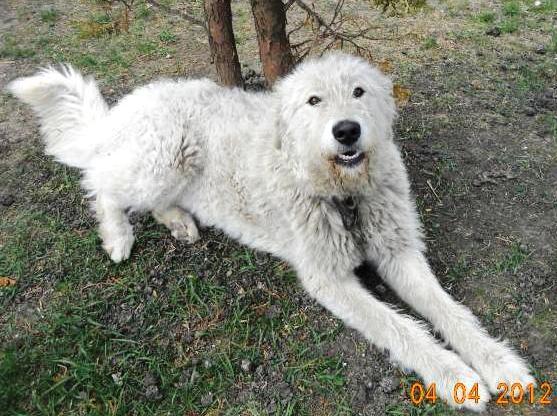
x: 510, y: 24
x: 430, y: 42
x: 166, y: 36
x: 486, y: 17
x: 511, y: 8
x: 458, y: 271
x: 551, y: 123
x: 546, y: 7
x: 69, y: 360
x: 553, y: 42
x: 49, y: 16
x: 531, y: 78
x: 514, y: 259
x: 14, y: 50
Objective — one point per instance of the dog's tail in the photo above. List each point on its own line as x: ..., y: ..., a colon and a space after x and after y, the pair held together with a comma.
x: 68, y: 107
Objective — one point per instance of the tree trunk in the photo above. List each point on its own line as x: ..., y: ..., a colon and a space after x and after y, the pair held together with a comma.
x: 222, y: 43
x: 274, y: 48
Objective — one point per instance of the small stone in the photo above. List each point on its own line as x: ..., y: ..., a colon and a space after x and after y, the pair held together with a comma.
x: 360, y: 395
x: 117, y: 378
x: 494, y: 31
x: 529, y: 111
x: 284, y: 390
x: 207, y: 399
x: 260, y: 371
x: 82, y: 395
x: 246, y: 366
x: 389, y: 384
x: 194, y: 376
x: 273, y: 311
x: 6, y: 200
x: 540, y: 50
x: 538, y: 281
x: 207, y: 364
x: 150, y: 379
x: 153, y: 394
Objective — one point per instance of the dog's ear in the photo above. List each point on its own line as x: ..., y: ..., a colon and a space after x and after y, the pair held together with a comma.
x: 385, y: 103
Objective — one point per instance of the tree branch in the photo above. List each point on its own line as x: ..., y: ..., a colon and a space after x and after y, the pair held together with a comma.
x: 331, y: 33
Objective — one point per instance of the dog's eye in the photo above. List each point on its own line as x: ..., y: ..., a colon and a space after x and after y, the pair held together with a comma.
x: 314, y: 100
x: 358, y: 92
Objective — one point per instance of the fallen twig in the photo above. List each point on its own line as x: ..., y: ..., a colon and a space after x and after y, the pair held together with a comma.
x: 179, y: 13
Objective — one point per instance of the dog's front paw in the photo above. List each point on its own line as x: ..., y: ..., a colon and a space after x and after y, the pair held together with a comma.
x: 460, y: 386
x: 119, y: 248
x: 500, y: 364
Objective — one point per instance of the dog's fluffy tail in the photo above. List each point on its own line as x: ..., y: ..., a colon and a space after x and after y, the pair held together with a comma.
x: 68, y: 107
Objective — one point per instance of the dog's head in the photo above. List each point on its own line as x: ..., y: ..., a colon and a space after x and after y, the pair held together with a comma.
x: 335, y: 111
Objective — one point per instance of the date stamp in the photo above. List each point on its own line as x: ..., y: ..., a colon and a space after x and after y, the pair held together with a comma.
x: 507, y: 394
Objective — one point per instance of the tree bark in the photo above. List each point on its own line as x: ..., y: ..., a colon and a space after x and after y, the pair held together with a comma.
x: 274, y: 48
x: 222, y: 42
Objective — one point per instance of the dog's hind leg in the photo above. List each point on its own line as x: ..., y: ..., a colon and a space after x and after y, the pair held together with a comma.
x: 411, y: 278
x: 115, y: 228
x: 180, y: 223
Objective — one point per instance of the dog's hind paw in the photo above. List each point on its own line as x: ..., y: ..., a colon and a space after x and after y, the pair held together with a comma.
x: 188, y: 234
x: 180, y: 223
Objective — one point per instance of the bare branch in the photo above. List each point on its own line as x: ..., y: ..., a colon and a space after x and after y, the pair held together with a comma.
x: 331, y: 34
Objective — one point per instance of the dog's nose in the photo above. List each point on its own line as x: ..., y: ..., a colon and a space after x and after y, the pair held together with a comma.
x: 347, y: 132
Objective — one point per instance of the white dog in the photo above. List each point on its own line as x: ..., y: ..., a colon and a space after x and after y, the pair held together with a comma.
x: 308, y: 172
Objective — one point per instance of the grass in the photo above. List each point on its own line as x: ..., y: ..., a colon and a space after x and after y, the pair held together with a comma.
x: 553, y: 42
x: 530, y: 78
x: 80, y: 335
x: 12, y: 49
x: 430, y: 42
x: 69, y: 361
x: 551, y: 122
x: 49, y: 16
x: 511, y: 8
x: 166, y: 36
x: 458, y: 271
x: 510, y: 24
x: 486, y: 17
x: 513, y: 260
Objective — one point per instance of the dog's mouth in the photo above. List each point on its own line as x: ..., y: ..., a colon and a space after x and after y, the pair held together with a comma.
x: 350, y: 158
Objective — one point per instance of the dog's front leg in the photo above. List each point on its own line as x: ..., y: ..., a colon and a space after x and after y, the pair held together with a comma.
x: 408, y: 342
x: 410, y: 276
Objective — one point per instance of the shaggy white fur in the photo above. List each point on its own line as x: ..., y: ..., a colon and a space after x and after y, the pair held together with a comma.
x: 308, y: 172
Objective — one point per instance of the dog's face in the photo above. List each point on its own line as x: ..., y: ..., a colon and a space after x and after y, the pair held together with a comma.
x: 335, y: 110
